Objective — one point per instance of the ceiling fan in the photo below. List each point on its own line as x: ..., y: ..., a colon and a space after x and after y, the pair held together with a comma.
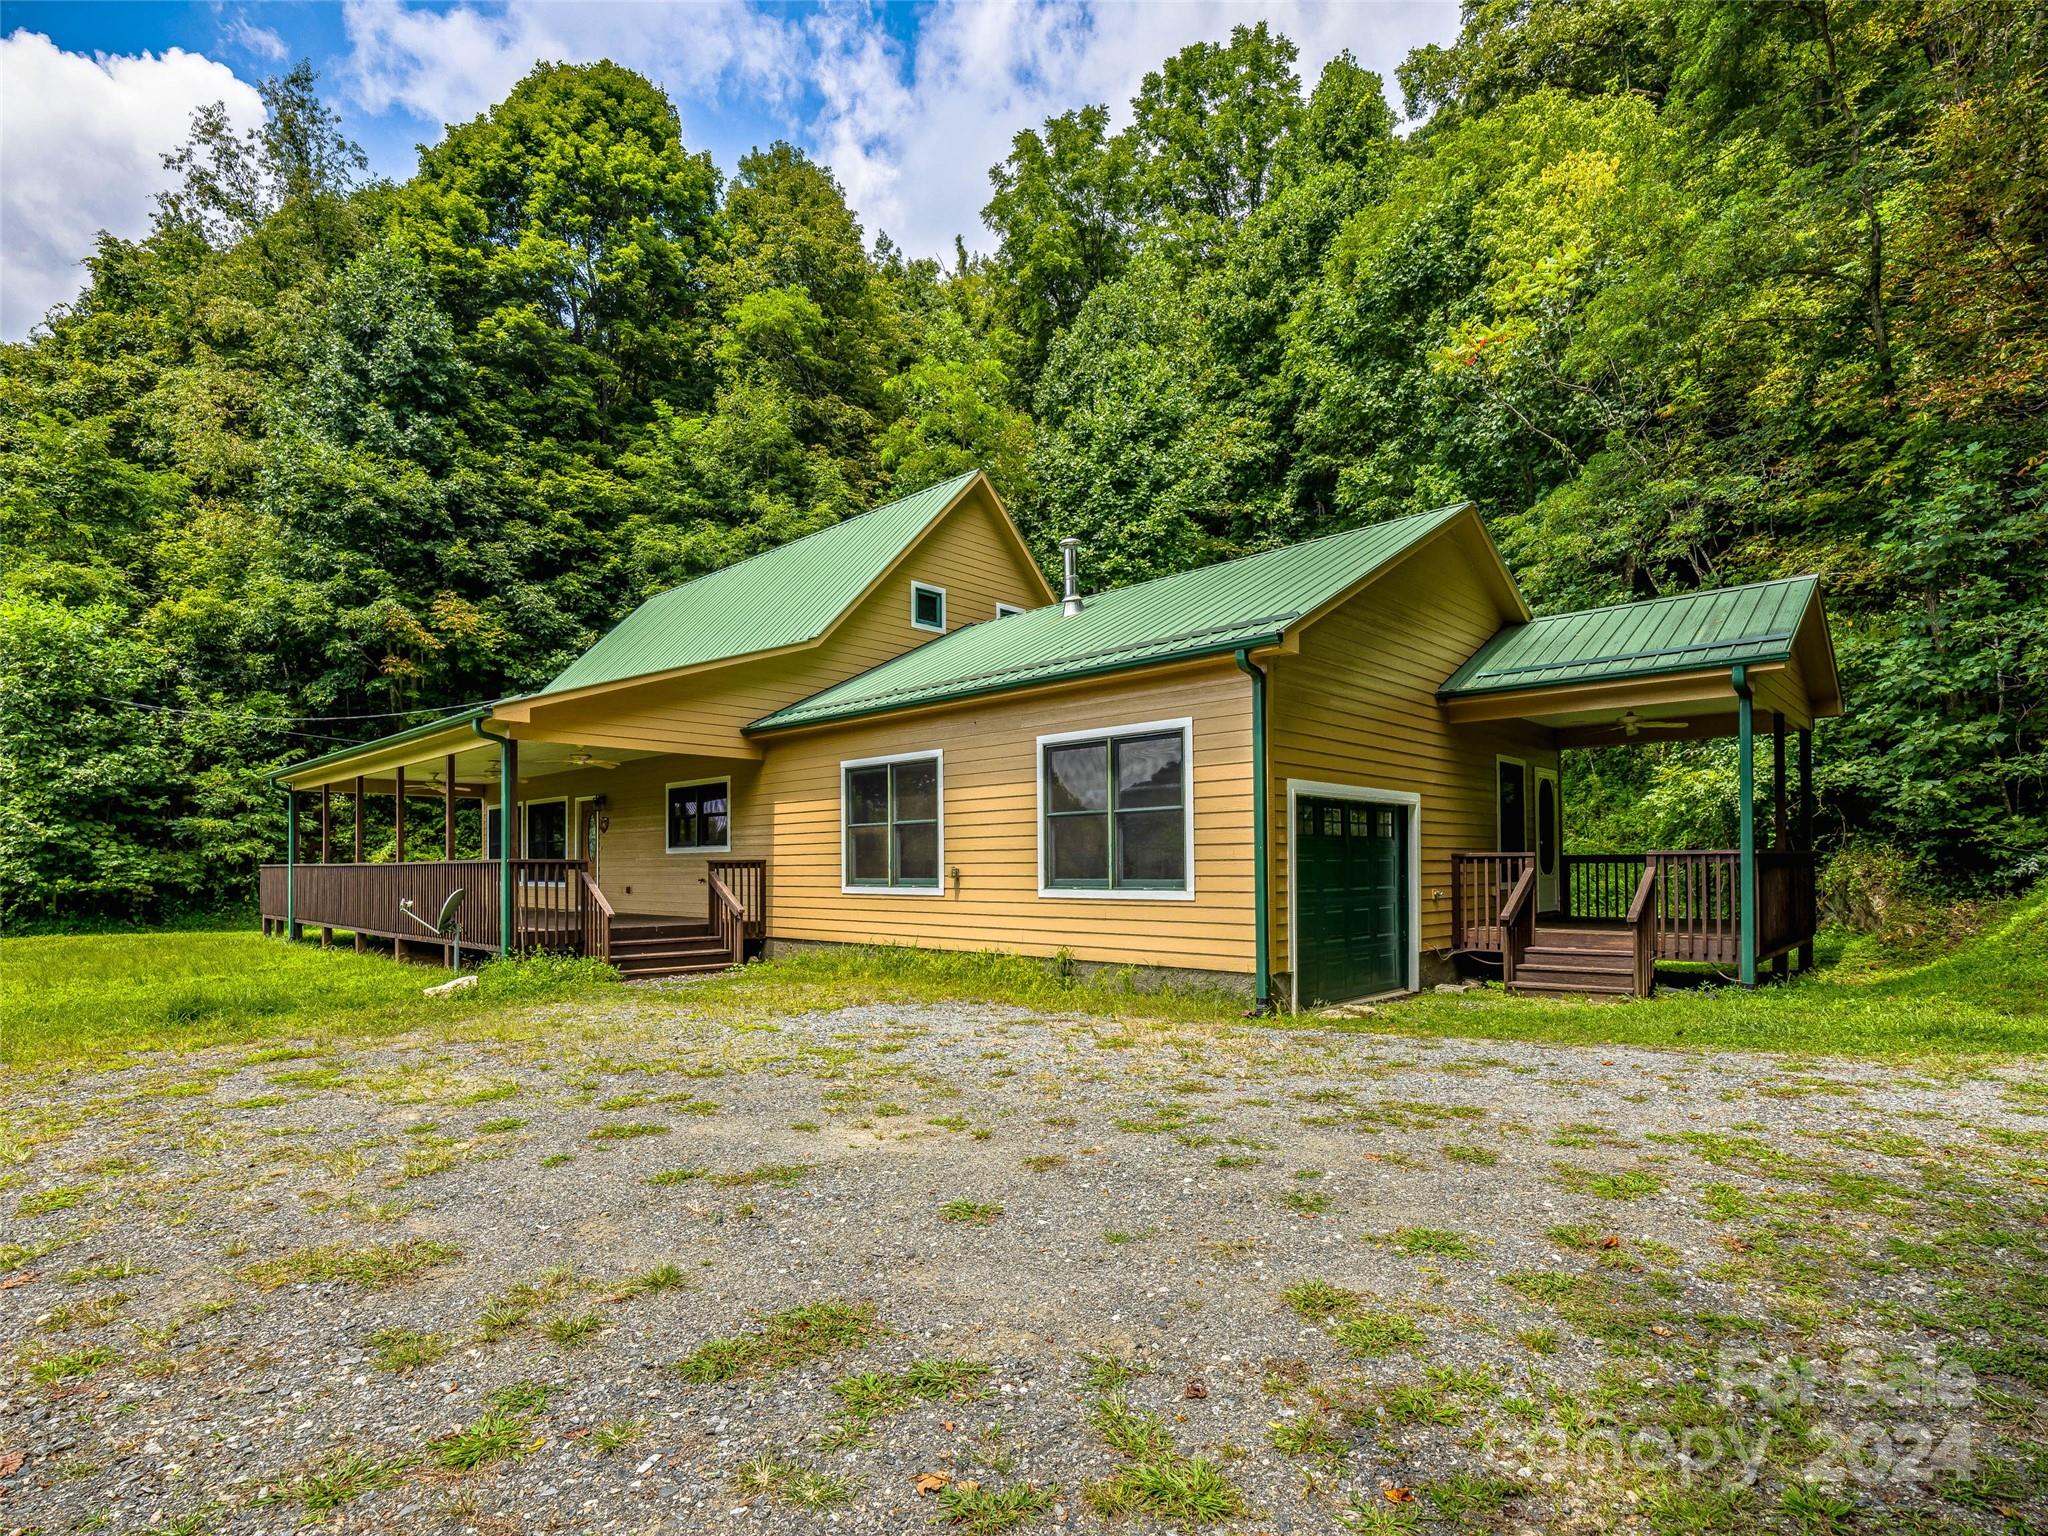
x: 1631, y: 723
x: 586, y: 760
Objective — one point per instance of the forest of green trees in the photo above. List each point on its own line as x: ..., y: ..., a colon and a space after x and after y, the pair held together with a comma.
x: 1679, y: 294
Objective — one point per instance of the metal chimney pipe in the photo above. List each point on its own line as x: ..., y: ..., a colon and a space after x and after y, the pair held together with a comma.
x: 1070, y: 552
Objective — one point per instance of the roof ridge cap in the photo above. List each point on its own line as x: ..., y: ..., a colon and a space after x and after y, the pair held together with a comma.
x: 1671, y: 597
x: 1260, y: 554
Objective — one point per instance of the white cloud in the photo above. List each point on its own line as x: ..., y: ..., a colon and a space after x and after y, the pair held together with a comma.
x: 915, y: 159
x: 910, y: 130
x: 80, y: 144
x: 238, y: 31
x: 448, y: 65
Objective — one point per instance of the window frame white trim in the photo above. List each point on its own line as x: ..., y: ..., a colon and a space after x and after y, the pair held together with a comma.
x: 934, y: 755
x: 1009, y: 610
x: 716, y: 778
x: 1184, y: 724
x: 936, y: 590
x: 576, y: 804
x: 1372, y: 795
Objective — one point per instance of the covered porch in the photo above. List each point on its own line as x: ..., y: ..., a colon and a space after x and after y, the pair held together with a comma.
x: 453, y: 788
x: 1753, y: 663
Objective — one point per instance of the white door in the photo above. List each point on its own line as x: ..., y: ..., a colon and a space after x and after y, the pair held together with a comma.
x: 1549, y: 865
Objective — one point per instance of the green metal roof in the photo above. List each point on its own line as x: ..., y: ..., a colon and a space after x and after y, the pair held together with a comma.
x: 1213, y: 610
x: 395, y: 738
x: 1689, y: 632
x: 788, y: 595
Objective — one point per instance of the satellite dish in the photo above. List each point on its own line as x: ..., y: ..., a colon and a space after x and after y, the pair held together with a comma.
x: 451, y: 912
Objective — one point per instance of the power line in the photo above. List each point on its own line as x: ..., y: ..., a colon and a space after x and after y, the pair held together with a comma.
x: 236, y: 714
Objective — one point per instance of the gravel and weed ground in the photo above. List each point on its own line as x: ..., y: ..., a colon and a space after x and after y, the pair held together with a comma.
x: 645, y: 1265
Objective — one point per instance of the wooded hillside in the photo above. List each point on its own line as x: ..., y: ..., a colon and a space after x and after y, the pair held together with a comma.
x: 1679, y: 295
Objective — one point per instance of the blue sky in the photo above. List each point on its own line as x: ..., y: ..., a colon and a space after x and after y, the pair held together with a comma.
x: 909, y: 104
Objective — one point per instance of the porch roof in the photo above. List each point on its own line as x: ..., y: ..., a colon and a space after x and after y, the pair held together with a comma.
x: 1748, y: 625
x: 1665, y: 664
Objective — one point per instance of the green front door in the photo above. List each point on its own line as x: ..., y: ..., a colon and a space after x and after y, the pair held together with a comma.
x: 1350, y: 889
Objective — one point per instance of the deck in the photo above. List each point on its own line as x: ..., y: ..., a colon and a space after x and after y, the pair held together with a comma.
x: 1617, y: 915
x: 556, y: 908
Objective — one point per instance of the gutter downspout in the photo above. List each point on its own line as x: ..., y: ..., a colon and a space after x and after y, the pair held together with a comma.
x: 505, y: 792
x: 1745, y: 710
x: 1263, y: 962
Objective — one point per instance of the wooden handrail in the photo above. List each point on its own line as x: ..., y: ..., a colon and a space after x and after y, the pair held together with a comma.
x: 728, y: 916
x: 1517, y: 922
x: 1642, y: 923
x: 597, y: 917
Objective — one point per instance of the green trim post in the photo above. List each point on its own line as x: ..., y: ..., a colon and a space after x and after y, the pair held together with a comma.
x: 1804, y: 830
x: 1262, y: 962
x: 1745, y: 895
x: 291, y: 860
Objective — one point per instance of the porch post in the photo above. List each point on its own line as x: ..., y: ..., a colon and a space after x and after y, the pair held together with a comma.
x: 1806, y: 825
x: 508, y: 774
x: 326, y: 848
x: 360, y: 945
x: 1781, y: 817
x: 448, y: 810
x: 1745, y: 796
x: 398, y: 826
x: 291, y: 864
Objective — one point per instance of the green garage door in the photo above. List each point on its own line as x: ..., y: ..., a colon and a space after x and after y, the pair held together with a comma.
x: 1351, y: 894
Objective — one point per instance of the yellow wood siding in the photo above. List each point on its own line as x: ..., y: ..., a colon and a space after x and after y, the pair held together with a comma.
x: 990, y: 809
x: 969, y: 552
x: 1357, y: 705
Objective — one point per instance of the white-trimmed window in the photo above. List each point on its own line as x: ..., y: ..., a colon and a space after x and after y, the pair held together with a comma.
x: 928, y: 607
x: 1006, y: 610
x: 699, y: 816
x: 1116, y: 812
x: 547, y: 828
x: 893, y: 827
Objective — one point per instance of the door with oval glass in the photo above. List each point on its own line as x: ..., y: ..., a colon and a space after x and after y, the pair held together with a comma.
x: 1549, y: 866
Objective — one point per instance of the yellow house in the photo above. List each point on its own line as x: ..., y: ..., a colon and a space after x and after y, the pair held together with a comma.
x: 1321, y: 772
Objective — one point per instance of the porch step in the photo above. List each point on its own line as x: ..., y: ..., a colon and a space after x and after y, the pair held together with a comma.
x: 661, y: 944
x: 1565, y: 936
x: 1622, y: 960
x: 1583, y: 984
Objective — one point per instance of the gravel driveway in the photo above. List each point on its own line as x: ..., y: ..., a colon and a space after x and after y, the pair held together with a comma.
x: 925, y: 1267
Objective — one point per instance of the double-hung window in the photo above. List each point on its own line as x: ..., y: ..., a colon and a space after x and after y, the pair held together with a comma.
x: 547, y: 829
x: 1115, y: 812
x: 890, y: 810
x: 700, y: 817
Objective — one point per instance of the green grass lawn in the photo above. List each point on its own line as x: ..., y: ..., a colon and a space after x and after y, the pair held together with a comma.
x: 95, y: 996
x: 1986, y: 997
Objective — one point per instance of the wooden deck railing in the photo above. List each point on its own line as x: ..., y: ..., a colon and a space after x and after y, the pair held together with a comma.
x: 1699, y: 915
x: 1480, y: 885
x: 1642, y: 923
x: 1685, y: 900
x: 1598, y: 884
x: 597, y: 919
x: 728, y: 916
x: 746, y: 881
x: 1517, y: 921
x: 548, y: 900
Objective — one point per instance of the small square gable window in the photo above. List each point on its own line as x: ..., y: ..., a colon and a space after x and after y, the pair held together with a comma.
x: 928, y: 607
